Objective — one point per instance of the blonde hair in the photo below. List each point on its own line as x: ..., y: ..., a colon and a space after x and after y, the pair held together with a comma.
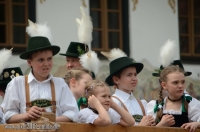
x: 163, y: 78
x: 91, y: 87
x: 76, y: 73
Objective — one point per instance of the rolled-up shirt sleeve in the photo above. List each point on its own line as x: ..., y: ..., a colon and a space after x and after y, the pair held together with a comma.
x: 68, y: 103
x: 11, y: 102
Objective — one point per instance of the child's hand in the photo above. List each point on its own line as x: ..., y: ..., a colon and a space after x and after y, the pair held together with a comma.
x: 192, y: 126
x: 35, y: 112
x: 147, y: 121
x: 93, y: 102
x: 167, y: 121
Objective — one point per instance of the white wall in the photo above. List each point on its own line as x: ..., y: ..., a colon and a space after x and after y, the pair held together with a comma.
x: 151, y: 24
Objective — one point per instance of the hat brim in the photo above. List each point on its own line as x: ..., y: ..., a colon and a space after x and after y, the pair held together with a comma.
x: 69, y: 54
x: 158, y: 75
x: 138, y: 66
x: 53, y: 48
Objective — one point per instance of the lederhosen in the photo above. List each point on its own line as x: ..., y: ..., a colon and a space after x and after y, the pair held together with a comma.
x: 137, y: 118
x: 40, y: 103
x: 180, y: 119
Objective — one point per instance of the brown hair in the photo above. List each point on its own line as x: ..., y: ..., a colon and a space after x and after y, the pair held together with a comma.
x: 75, y: 73
x: 90, y: 89
x: 163, y: 78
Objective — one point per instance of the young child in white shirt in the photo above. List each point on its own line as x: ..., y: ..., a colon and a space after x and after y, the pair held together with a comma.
x: 97, y: 111
x: 28, y: 96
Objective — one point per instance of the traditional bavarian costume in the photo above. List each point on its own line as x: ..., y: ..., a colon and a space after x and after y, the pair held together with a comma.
x: 131, y: 104
x: 182, y: 116
x: 25, y: 92
x: 89, y: 115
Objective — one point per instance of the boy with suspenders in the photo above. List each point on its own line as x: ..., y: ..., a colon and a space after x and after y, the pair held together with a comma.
x: 28, y: 96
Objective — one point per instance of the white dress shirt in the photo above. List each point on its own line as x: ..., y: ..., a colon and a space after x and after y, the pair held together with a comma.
x: 130, y: 102
x: 86, y: 115
x: 15, y: 98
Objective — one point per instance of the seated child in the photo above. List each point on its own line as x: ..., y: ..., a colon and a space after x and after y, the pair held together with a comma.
x: 28, y: 96
x: 76, y: 80
x: 178, y: 109
x: 97, y: 93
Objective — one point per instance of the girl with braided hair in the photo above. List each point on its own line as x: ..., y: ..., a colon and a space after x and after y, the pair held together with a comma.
x: 177, y: 109
x: 98, y: 104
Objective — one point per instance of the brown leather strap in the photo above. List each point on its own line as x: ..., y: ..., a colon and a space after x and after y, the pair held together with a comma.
x: 141, y: 106
x: 28, y: 103
x: 121, y: 103
x: 53, y: 102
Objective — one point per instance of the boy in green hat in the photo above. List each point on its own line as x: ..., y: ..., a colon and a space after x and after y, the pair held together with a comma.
x: 123, y: 74
x: 28, y: 96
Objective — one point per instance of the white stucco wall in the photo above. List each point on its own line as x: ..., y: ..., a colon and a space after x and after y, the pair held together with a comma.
x: 151, y: 24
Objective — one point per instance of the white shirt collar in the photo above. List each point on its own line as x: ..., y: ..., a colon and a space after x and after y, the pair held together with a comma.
x: 123, y: 95
x: 31, y: 78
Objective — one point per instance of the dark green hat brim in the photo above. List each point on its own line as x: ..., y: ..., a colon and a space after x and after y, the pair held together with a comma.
x: 120, y: 64
x: 69, y: 54
x: 39, y: 43
x: 54, y: 49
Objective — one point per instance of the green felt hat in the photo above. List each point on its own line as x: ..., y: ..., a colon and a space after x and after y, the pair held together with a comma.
x: 39, y: 43
x: 76, y: 49
x: 120, y: 64
x: 8, y: 74
x: 175, y: 63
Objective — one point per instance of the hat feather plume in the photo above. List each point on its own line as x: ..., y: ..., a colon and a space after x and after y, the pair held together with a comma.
x: 114, y: 54
x: 5, y: 55
x: 85, y: 28
x: 90, y: 61
x: 167, y: 53
x: 35, y: 29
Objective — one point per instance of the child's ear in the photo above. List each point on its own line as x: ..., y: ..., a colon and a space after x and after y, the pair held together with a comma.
x: 115, y: 79
x: 72, y: 82
x: 163, y: 84
x: 29, y: 62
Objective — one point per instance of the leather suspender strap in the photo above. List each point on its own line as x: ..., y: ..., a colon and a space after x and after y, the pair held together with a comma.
x: 53, y: 102
x: 28, y: 103
x: 141, y: 106
x: 121, y: 103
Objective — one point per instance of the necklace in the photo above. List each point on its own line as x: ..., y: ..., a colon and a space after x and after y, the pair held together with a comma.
x: 176, y: 100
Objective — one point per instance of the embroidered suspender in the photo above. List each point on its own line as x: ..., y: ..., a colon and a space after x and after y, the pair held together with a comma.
x: 139, y: 101
x: 29, y: 104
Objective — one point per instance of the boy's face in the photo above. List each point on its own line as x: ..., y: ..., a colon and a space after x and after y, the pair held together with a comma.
x: 72, y: 62
x: 128, y: 80
x: 41, y: 63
